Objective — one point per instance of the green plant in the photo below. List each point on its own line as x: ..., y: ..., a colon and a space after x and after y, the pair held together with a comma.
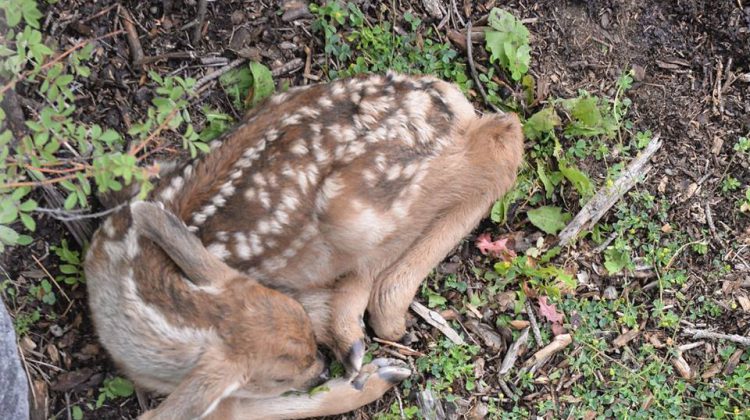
x: 507, y: 40
x: 247, y: 86
x: 447, y: 364
x: 742, y: 145
x: 114, y: 388
x: 24, y: 321
x: 549, y: 219
x: 360, y: 47
x: 745, y: 201
x: 72, y: 272
x: 729, y: 184
x: 43, y: 292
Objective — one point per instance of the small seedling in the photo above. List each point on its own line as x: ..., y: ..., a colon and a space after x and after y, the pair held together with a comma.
x: 114, y: 388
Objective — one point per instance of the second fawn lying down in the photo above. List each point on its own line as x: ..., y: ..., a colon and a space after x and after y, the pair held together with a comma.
x: 343, y: 196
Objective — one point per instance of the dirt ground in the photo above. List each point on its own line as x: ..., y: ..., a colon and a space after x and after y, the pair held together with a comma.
x: 690, y: 57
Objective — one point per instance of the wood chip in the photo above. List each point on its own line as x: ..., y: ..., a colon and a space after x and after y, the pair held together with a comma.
x: 430, y: 405
x: 712, y: 371
x: 516, y: 349
x: 432, y: 7
x: 682, y: 366
x: 539, y: 358
x: 433, y: 318
x: 519, y: 324
x: 489, y: 337
x: 744, y: 303
x: 625, y: 338
x: 39, y: 407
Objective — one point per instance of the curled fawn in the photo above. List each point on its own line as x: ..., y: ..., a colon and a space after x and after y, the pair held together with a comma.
x: 341, y: 196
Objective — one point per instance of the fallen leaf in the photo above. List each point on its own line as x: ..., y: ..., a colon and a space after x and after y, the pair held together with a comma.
x: 549, y: 312
x: 69, y: 380
x: 497, y: 249
x: 733, y: 361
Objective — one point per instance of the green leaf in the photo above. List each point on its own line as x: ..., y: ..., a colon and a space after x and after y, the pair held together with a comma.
x: 615, y: 260
x: 8, y: 236
x: 549, y: 187
x: 580, y: 181
x: 28, y: 222
x: 435, y: 300
x: 77, y: 413
x: 507, y: 40
x: 68, y: 269
x: 263, y: 86
x: 27, y: 206
x: 24, y: 240
x: 70, y: 201
x: 120, y: 387
x: 541, y: 123
x: 549, y: 219
x: 8, y: 214
x: 236, y: 84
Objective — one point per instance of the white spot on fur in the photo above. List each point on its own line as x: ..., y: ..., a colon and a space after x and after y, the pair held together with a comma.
x: 219, y: 250
x: 227, y: 189
x: 393, y: 172
x: 264, y: 227
x: 108, y: 227
x: 299, y: 148
x: 256, y: 246
x: 291, y: 120
x: 265, y: 199
x: 338, y: 90
x: 274, y: 264
x: 241, y: 246
x: 250, y: 194
x: 199, y: 218
x: 175, y: 185
x: 277, y: 99
x: 308, y: 112
x: 325, y: 102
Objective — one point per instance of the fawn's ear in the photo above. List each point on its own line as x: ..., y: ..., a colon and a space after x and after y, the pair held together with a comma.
x: 153, y: 221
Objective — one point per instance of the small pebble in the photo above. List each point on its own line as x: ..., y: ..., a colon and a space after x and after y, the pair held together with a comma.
x: 610, y: 293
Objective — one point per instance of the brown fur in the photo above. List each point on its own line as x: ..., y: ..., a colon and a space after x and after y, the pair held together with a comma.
x: 343, y: 196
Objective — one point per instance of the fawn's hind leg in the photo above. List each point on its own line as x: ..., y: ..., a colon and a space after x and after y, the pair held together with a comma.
x: 395, y: 287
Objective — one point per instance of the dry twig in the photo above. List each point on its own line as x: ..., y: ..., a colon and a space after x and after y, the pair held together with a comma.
x: 218, y: 72
x: 473, y: 69
x: 136, y: 51
x: 513, y: 352
x: 198, y: 28
x: 701, y: 334
x: 606, y: 197
x: 534, y: 325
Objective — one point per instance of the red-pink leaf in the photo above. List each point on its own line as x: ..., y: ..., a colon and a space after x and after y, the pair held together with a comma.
x: 497, y: 249
x: 549, y: 312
